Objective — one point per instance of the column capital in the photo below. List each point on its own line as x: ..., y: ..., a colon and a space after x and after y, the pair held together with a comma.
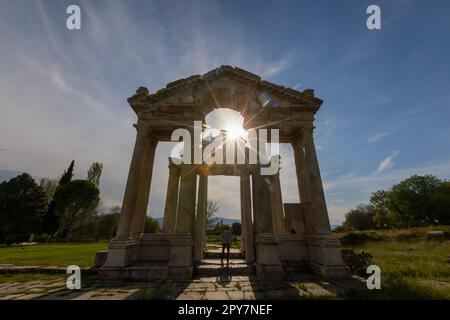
x: 145, y: 130
x: 304, y: 132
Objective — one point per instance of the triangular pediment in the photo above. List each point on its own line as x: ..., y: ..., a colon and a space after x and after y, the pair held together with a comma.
x: 226, y: 86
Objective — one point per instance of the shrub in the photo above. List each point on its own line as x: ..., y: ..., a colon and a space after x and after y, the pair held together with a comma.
x: 358, y: 238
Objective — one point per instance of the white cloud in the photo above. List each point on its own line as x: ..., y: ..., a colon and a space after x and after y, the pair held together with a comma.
x: 379, y: 136
x: 387, y: 163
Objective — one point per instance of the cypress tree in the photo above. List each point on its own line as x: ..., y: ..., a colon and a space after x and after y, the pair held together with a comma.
x: 50, y: 223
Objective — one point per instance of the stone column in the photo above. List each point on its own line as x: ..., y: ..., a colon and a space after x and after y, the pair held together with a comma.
x: 246, y: 217
x: 324, y: 250
x: 188, y: 192
x: 137, y: 189
x: 321, y: 222
x: 140, y: 216
x: 261, y: 202
x: 201, y: 217
x: 302, y: 171
x: 134, y: 207
x: 170, y: 210
x: 277, y: 204
x: 186, y: 200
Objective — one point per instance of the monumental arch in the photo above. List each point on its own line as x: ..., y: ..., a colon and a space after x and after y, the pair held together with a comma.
x: 278, y: 238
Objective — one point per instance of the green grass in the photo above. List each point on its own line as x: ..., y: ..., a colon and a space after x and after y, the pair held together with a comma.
x: 54, y: 254
x: 27, y: 277
x: 409, y: 269
x: 217, y: 241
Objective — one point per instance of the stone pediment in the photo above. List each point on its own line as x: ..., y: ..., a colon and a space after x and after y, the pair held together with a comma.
x: 227, y: 87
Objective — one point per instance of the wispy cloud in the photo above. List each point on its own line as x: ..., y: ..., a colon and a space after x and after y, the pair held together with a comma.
x: 393, y: 124
x: 379, y: 136
x: 387, y: 163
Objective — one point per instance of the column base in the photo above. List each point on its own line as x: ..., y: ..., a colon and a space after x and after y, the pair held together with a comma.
x: 268, y: 264
x: 325, y: 256
x: 156, y: 256
x: 121, y: 253
x: 330, y: 272
x: 181, y: 252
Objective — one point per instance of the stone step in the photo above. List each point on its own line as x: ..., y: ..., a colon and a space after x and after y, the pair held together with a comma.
x: 218, y: 255
x: 219, y: 262
x: 218, y: 270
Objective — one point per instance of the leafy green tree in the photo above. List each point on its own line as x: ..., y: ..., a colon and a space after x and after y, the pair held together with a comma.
x: 382, y: 217
x: 442, y: 198
x: 94, y: 173
x: 152, y: 226
x: 236, y: 227
x: 49, y: 187
x: 359, y: 218
x: 220, y: 228
x: 22, y: 206
x: 414, y: 200
x: 75, y: 202
x: 106, y: 224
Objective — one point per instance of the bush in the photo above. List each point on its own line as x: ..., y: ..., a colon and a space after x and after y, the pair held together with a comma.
x: 359, y: 262
x: 358, y: 238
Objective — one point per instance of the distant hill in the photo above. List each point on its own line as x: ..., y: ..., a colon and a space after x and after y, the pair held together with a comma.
x: 227, y: 221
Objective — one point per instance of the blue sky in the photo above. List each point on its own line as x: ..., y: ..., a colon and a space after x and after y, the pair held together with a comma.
x: 386, y: 92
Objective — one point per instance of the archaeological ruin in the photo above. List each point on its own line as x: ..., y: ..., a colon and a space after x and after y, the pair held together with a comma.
x: 277, y: 238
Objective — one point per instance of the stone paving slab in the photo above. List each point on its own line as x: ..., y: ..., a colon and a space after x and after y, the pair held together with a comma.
x: 208, y: 288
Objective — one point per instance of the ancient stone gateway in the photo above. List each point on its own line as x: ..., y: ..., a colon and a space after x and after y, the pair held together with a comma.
x: 277, y: 237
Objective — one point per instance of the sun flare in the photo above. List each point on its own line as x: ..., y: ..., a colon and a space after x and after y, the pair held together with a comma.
x: 235, y: 132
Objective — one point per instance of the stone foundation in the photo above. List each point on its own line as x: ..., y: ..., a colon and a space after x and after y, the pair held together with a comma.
x: 325, y: 256
x: 155, y: 256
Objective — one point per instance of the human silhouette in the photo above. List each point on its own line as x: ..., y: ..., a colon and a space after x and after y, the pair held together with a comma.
x: 227, y: 238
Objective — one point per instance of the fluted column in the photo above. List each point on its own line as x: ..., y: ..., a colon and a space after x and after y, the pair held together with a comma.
x: 324, y: 250
x: 135, y: 200
x: 277, y: 204
x: 261, y: 202
x: 188, y: 192
x: 201, y: 217
x: 320, y: 222
x: 170, y: 210
x: 302, y: 171
x: 246, y: 217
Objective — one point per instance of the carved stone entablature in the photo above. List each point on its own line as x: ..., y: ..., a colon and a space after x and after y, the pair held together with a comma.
x: 226, y: 86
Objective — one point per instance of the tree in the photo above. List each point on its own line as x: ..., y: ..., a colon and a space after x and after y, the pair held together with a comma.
x: 106, y: 224
x: 67, y: 175
x: 94, y: 173
x: 382, y: 217
x: 443, y: 204
x: 359, y: 218
x: 414, y: 200
x: 211, y: 208
x: 50, y: 223
x: 151, y: 225
x: 75, y: 202
x: 22, y: 206
x: 237, y: 228
x: 49, y: 187
x: 220, y: 228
